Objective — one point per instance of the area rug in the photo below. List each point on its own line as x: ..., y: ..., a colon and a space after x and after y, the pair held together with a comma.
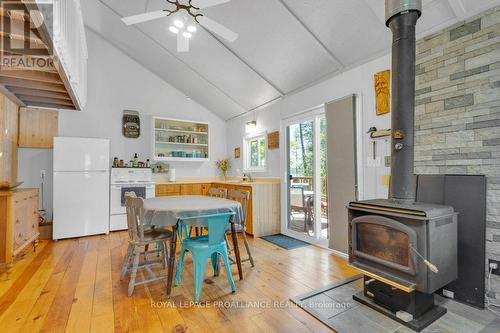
x: 285, y: 242
x: 334, y: 306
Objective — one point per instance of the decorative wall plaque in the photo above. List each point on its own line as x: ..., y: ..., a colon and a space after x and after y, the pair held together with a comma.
x: 273, y: 140
x: 131, y: 124
x: 382, y: 92
x: 237, y: 152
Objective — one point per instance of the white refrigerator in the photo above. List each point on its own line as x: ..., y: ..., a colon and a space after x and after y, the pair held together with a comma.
x: 81, y: 187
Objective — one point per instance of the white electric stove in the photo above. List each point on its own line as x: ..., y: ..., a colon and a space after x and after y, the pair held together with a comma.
x: 123, y: 180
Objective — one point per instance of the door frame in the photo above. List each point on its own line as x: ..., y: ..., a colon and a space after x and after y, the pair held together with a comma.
x: 312, y: 112
x: 310, y: 115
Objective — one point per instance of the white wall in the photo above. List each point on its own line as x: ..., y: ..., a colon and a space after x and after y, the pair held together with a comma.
x: 357, y: 81
x: 268, y: 120
x: 30, y: 162
x: 115, y: 83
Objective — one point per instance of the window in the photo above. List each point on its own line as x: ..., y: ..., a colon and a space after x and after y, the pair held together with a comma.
x: 255, y: 150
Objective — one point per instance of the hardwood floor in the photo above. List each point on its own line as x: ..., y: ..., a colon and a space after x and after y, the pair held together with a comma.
x: 74, y: 286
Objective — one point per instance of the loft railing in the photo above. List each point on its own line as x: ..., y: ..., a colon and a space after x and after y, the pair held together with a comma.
x: 70, y: 44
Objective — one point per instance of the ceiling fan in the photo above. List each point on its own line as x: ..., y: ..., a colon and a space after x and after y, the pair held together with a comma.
x: 181, y: 25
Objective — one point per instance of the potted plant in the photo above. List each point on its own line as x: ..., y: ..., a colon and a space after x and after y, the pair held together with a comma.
x: 223, y: 166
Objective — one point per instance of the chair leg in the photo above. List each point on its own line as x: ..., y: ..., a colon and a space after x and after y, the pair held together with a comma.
x: 230, y: 279
x: 126, y: 262
x: 215, y: 263
x: 247, y: 246
x: 135, y: 265
x: 179, y: 267
x: 165, y: 254
x: 199, y: 273
x: 227, y: 243
x: 146, y: 249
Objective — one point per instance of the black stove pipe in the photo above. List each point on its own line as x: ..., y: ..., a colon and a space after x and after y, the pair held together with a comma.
x: 402, y: 16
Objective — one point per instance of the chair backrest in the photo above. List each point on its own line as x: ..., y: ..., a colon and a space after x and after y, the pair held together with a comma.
x: 217, y: 192
x: 242, y: 197
x: 216, y: 224
x: 135, y: 217
x: 297, y: 197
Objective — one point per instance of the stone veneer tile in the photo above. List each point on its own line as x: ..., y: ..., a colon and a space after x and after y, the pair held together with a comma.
x: 466, y: 29
x: 470, y: 72
x: 459, y: 101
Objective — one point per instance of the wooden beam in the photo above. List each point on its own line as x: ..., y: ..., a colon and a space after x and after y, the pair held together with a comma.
x: 40, y: 93
x: 32, y: 84
x: 31, y: 75
x: 50, y: 106
x: 11, y: 96
x: 28, y: 99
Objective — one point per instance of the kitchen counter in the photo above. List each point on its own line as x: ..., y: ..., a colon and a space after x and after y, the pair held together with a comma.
x: 263, y: 216
x: 229, y: 181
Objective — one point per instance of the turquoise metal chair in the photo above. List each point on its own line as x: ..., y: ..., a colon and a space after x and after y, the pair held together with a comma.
x: 204, y: 247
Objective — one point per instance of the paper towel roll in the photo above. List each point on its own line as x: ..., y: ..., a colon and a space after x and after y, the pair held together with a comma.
x: 171, y: 175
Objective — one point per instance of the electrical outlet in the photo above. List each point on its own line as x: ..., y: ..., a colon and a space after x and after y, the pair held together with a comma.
x: 497, y: 270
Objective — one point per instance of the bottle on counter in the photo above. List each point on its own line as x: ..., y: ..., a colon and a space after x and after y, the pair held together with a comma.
x: 135, y: 161
x: 148, y: 163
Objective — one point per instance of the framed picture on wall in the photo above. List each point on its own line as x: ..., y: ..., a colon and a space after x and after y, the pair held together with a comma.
x: 237, y: 152
x: 382, y: 92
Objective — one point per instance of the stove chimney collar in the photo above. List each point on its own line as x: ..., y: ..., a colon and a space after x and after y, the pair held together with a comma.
x: 395, y: 7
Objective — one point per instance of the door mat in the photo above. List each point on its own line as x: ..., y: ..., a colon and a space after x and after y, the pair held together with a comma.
x: 285, y: 242
x: 334, y: 306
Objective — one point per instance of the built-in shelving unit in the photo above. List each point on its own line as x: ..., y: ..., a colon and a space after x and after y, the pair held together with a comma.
x: 180, y: 140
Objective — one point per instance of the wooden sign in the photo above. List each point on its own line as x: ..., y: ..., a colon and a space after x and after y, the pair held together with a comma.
x: 237, y: 152
x: 131, y: 124
x: 383, y: 92
x: 273, y: 140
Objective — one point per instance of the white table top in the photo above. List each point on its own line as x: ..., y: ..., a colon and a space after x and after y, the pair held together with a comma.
x: 174, y: 208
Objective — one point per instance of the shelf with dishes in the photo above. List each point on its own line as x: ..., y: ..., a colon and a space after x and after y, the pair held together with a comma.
x: 180, y: 140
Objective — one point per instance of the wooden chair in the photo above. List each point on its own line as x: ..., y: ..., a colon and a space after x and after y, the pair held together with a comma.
x: 298, y: 203
x: 215, y: 192
x: 141, y: 236
x: 243, y: 197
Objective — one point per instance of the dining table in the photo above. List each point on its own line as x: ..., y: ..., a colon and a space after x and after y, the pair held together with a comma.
x: 171, y: 211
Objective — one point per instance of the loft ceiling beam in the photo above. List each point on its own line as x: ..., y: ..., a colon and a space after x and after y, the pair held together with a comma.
x: 10, y: 82
x: 28, y: 99
x: 39, y: 93
x: 308, y: 31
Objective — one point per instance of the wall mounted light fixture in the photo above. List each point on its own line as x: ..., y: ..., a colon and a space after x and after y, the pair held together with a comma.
x: 250, y: 126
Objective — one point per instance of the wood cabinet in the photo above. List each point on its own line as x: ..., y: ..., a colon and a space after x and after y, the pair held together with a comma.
x: 263, y: 216
x: 37, y: 128
x: 165, y: 190
x: 18, y: 224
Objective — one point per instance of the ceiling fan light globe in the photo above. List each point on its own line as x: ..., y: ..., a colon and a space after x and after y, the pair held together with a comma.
x: 173, y: 29
x: 187, y: 34
x: 178, y: 23
x: 191, y: 28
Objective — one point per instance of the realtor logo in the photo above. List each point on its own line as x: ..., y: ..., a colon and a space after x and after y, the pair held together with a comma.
x: 25, y: 31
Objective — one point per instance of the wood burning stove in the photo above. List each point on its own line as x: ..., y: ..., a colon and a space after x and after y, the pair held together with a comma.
x: 407, y: 250
x: 392, y: 241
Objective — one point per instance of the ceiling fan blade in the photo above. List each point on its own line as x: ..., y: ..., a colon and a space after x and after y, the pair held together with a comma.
x: 182, y: 43
x: 208, y: 3
x: 218, y: 28
x: 144, y: 17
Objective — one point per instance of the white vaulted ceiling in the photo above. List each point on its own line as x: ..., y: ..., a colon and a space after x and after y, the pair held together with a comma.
x: 283, y: 45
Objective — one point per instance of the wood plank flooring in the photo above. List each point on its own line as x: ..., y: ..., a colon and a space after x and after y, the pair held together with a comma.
x: 74, y: 286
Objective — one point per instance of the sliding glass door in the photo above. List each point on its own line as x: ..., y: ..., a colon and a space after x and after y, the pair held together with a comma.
x: 306, y: 209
